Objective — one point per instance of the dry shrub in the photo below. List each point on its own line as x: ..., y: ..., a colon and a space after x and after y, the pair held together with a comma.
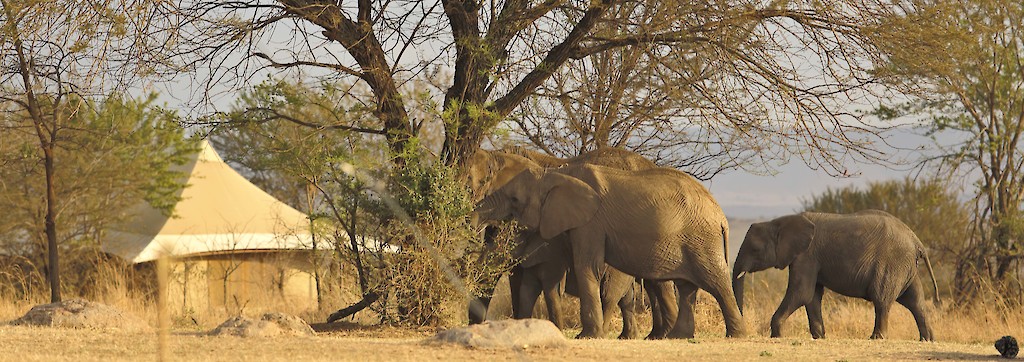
x: 439, y: 260
x: 420, y: 280
x: 86, y: 273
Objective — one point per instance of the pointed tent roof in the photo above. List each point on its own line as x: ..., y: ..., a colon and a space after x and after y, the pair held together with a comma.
x: 220, y: 211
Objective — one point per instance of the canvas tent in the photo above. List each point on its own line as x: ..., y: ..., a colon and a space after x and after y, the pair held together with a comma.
x: 229, y: 241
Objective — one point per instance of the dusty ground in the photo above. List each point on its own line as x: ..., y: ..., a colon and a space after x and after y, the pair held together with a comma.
x: 48, y: 344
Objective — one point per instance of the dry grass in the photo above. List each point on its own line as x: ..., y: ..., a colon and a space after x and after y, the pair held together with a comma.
x: 963, y: 335
x: 39, y: 344
x: 844, y: 318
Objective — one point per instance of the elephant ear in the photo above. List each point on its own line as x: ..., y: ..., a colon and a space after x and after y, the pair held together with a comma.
x: 794, y: 236
x: 568, y: 204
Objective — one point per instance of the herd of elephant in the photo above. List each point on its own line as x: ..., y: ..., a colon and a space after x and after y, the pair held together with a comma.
x: 610, y: 217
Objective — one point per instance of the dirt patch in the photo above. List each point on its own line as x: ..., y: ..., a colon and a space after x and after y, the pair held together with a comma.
x: 22, y: 344
x: 80, y: 313
x: 349, y: 329
x: 267, y: 325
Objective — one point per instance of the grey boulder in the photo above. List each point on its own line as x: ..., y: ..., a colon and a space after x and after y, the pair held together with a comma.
x: 80, y: 313
x: 509, y: 333
x: 267, y: 325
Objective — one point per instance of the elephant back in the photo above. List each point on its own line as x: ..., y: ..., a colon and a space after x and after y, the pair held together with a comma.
x: 885, y: 247
x: 662, y: 188
x: 540, y: 158
x: 614, y: 157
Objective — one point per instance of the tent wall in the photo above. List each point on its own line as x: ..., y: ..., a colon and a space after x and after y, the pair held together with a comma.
x: 234, y: 283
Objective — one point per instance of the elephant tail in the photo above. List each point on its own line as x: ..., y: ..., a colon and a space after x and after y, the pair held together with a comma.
x: 935, y: 284
x: 725, y: 242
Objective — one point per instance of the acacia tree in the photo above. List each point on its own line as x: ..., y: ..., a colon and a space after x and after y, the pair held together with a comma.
x: 56, y: 57
x: 634, y: 98
x: 112, y: 155
x: 739, y: 53
x: 967, y: 66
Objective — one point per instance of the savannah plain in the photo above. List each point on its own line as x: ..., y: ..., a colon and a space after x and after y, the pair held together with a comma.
x: 961, y: 335
x: 334, y: 105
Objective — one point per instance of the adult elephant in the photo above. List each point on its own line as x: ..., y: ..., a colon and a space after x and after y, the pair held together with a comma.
x: 543, y: 270
x: 869, y: 254
x: 657, y: 224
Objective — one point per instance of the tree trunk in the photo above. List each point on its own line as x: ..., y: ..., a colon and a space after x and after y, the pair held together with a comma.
x: 53, y: 269
x: 47, y: 139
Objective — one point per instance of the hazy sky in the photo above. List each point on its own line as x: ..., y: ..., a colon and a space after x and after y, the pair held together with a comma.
x: 746, y: 196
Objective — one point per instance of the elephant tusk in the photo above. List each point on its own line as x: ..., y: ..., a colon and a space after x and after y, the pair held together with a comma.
x: 741, y: 274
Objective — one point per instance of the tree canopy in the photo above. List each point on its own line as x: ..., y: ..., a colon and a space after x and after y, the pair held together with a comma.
x: 966, y: 69
x: 770, y: 77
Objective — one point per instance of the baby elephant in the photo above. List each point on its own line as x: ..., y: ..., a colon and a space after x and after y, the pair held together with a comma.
x: 869, y: 254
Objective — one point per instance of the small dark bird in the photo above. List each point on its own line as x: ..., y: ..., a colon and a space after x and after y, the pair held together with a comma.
x: 1007, y: 347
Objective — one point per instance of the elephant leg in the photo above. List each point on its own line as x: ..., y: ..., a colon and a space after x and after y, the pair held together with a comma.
x: 529, y: 290
x: 814, y: 320
x: 627, y: 306
x: 881, y: 319
x: 515, y: 282
x: 685, y: 324
x: 553, y: 300
x: 657, y: 326
x: 587, y: 263
x: 798, y: 293
x: 617, y: 291
x: 664, y: 307
x: 478, y: 309
x: 718, y: 283
x: 913, y: 299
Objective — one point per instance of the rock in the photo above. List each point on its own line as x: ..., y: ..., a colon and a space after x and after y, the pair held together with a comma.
x: 509, y: 333
x: 80, y: 313
x: 268, y: 325
x: 1007, y: 347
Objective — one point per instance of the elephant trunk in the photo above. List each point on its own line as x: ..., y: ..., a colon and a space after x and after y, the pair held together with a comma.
x: 491, y: 208
x: 739, y: 276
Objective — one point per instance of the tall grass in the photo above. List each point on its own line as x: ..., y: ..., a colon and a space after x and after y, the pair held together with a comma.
x: 845, y: 318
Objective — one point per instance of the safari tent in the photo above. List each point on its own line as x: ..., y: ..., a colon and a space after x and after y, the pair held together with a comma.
x: 230, y: 244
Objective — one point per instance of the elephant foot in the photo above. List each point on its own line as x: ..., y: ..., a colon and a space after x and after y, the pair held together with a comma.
x: 818, y: 336
x: 927, y: 339
x: 588, y: 335
x: 674, y: 335
x: 736, y: 334
x: 877, y: 335
x: 776, y: 334
x: 630, y: 335
x: 652, y: 336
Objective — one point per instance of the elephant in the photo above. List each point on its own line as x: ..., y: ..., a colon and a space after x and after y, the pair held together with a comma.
x: 868, y: 254
x: 546, y: 266
x: 489, y: 170
x: 655, y: 224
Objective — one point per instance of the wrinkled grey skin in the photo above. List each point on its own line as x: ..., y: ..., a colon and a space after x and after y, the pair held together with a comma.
x: 869, y: 254
x: 544, y: 271
x: 657, y: 224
